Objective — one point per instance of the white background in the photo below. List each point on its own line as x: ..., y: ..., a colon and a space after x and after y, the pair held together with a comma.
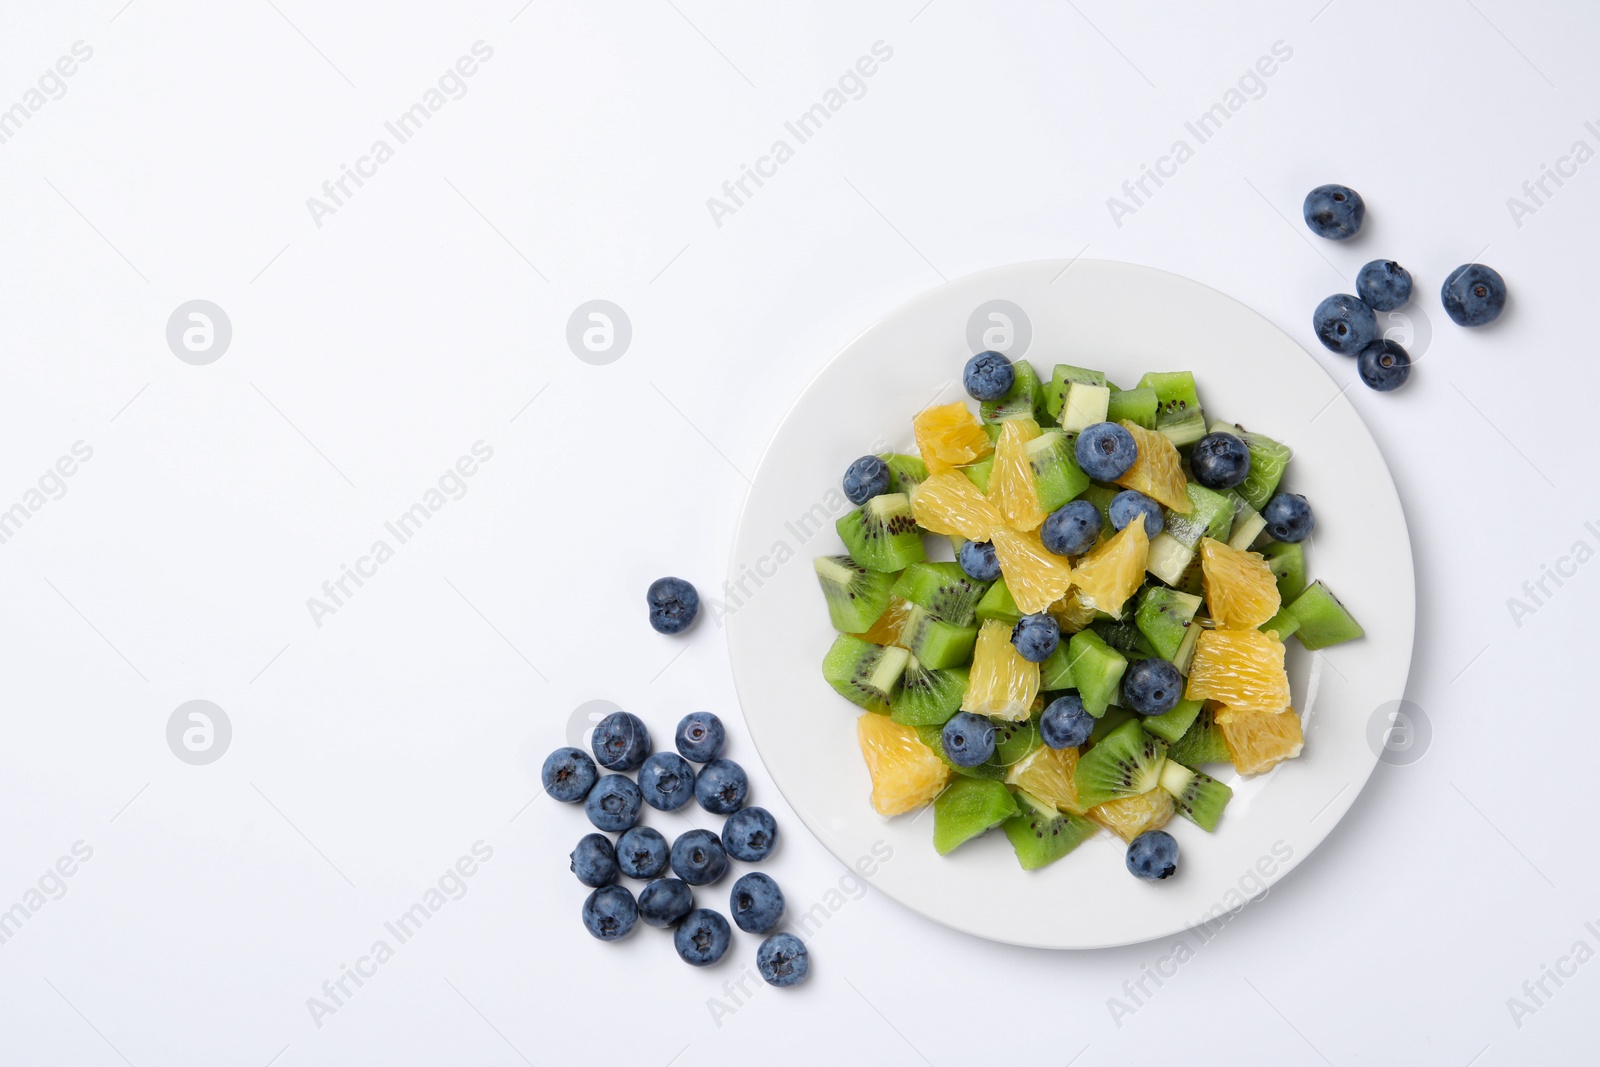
x: 429, y: 313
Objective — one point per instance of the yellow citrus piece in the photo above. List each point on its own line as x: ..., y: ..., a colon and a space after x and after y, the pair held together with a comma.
x: 1240, y: 668
x: 905, y: 773
x: 1035, y: 576
x: 950, y: 436
x: 1260, y: 740
x: 1047, y: 773
x: 1072, y: 612
x: 1000, y: 683
x: 948, y: 503
x: 886, y: 631
x: 1112, y: 571
x: 1128, y: 817
x: 1240, y: 589
x: 1158, y: 472
x: 1011, y: 485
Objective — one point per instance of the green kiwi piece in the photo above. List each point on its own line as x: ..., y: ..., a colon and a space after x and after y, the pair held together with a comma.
x: 967, y: 808
x: 1125, y: 763
x: 935, y: 643
x: 928, y: 697
x: 1135, y: 405
x: 1015, y: 741
x: 943, y: 590
x: 1097, y: 669
x: 1057, y: 478
x: 1124, y: 636
x: 1210, y: 515
x: 978, y: 474
x: 1105, y: 724
x: 1055, y: 393
x: 1201, y: 743
x: 1041, y: 835
x: 1182, y: 429
x: 1024, y: 401
x: 864, y: 673
x: 855, y: 595
x: 1200, y: 797
x: 1285, y: 624
x: 1323, y: 620
x: 1171, y: 726
x: 1166, y: 617
x: 998, y: 603
x: 1247, y: 522
x: 905, y: 472
x: 1268, y: 458
x: 1178, y: 413
x: 881, y: 534
x: 1056, y: 671
x: 1287, y: 561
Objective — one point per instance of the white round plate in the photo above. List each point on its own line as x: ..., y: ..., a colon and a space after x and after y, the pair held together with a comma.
x: 1125, y: 320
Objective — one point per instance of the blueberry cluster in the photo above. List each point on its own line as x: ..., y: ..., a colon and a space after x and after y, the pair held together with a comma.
x: 666, y: 781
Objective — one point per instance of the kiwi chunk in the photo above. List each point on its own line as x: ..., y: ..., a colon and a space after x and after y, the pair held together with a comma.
x: 1166, y: 618
x: 1287, y: 562
x: 978, y: 474
x: 905, y: 472
x: 1097, y: 669
x: 1041, y: 835
x: 864, y: 673
x: 1284, y: 624
x: 1135, y: 405
x: 1268, y: 458
x: 1123, y: 636
x: 1247, y: 522
x: 1200, y: 797
x: 1210, y: 515
x: 1084, y: 405
x: 881, y: 534
x: 998, y: 603
x: 1201, y: 743
x: 928, y: 697
x: 1105, y: 724
x: 855, y: 595
x: 1056, y: 671
x: 967, y: 808
x: 1323, y: 620
x: 943, y: 590
x: 1015, y: 740
x: 1055, y: 394
x: 1178, y: 413
x: 1126, y: 763
x: 1171, y: 726
x: 1057, y: 478
x: 1024, y: 401
x: 936, y: 643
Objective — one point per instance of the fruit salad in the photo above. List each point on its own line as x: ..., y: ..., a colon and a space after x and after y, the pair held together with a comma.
x: 1126, y: 573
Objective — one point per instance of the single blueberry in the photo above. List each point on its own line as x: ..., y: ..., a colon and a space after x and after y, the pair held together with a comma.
x: 667, y: 781
x: 642, y: 853
x: 613, y: 804
x: 968, y: 739
x: 783, y: 960
x: 568, y: 775
x: 665, y: 901
x: 978, y: 561
x: 750, y: 834
x: 722, y: 787
x: 988, y: 376
x: 702, y: 937
x: 1384, y: 284
x: 1072, y: 529
x: 1151, y: 686
x: 1153, y: 855
x: 1130, y: 504
x: 1066, y: 723
x: 698, y: 857
x: 700, y: 737
x: 1344, y: 324
x: 1334, y: 211
x: 1036, y: 636
x: 1473, y: 295
x: 1105, y: 451
x: 620, y: 741
x: 1219, y: 461
x: 1289, y: 517
x: 610, y: 913
x: 1384, y: 365
x: 756, y: 903
x: 594, y: 861
x: 866, y: 478
x: 673, y: 605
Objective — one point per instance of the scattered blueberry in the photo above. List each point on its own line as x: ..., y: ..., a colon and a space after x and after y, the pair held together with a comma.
x: 698, y: 858
x: 1219, y: 461
x: 700, y: 737
x: 1384, y: 284
x: 1066, y: 723
x: 667, y: 781
x: 1130, y: 504
x: 702, y: 937
x: 620, y: 741
x: 750, y: 834
x: 594, y: 861
x: 783, y: 960
x: 756, y: 903
x: 978, y: 561
x: 673, y: 605
x: 722, y: 787
x: 613, y: 803
x: 1036, y: 636
x: 1151, y: 686
x: 988, y: 376
x: 968, y: 739
x: 1334, y: 211
x: 866, y: 478
x: 1289, y: 517
x: 1105, y: 451
x: 642, y: 853
x: 1153, y: 855
x: 610, y: 913
x: 665, y: 901
x: 1473, y: 295
x: 568, y: 775
x: 1344, y: 324
x: 1384, y: 365
x: 1072, y: 529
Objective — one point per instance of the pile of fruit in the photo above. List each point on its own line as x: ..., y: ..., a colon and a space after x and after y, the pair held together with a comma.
x: 1125, y: 578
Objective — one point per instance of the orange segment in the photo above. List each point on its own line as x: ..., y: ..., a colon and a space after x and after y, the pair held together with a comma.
x: 886, y: 631
x: 1000, y: 683
x: 950, y: 436
x: 1128, y: 817
x: 1113, y: 570
x: 948, y: 503
x: 1047, y: 773
x: 1158, y: 472
x: 1011, y: 487
x: 905, y: 773
x: 1260, y: 740
x: 1035, y: 576
x: 1072, y: 613
x: 1240, y: 588
x: 1240, y: 668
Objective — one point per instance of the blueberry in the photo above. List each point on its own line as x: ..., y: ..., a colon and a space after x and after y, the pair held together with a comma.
x: 988, y: 376
x: 610, y: 913
x: 1289, y: 517
x: 698, y: 858
x: 1065, y: 723
x: 667, y: 781
x: 1151, y: 686
x: 1219, y: 461
x: 1473, y: 295
x: 978, y: 561
x: 1153, y: 855
x: 642, y: 853
x: 702, y: 937
x: 968, y: 739
x: 866, y: 478
x: 1072, y: 529
x: 1105, y: 451
x: 783, y: 960
x: 620, y: 741
x: 1384, y: 285
x: 700, y: 737
x: 568, y: 775
x: 722, y: 787
x: 1130, y: 504
x: 1334, y: 212
x: 750, y: 834
x: 613, y: 803
x: 594, y: 861
x: 1036, y: 636
x: 1344, y: 324
x: 1384, y: 365
x: 756, y: 903
x: 673, y: 605
x: 665, y: 901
